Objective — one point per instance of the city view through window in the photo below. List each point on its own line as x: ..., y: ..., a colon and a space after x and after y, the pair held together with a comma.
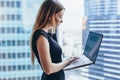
x: 16, y: 22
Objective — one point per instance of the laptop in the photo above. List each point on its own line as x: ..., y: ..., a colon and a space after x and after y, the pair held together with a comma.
x: 90, y: 52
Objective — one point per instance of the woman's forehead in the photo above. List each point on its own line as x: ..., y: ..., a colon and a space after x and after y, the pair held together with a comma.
x: 60, y: 12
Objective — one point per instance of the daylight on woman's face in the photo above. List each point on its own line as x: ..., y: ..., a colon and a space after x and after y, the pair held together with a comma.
x: 58, y: 17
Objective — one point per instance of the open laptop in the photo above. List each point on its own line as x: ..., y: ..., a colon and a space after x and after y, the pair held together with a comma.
x: 90, y: 52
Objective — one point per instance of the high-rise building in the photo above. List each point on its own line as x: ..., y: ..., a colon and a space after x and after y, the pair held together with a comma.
x: 15, y: 62
x: 104, y: 17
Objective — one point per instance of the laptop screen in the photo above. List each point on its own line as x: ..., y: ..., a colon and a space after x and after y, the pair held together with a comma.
x: 92, y: 45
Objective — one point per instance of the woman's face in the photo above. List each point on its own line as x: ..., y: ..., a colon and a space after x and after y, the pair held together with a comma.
x: 58, y: 17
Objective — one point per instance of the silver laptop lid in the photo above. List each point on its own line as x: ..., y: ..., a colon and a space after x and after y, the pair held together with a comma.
x: 92, y: 45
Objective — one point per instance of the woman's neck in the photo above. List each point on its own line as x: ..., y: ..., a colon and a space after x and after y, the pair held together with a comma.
x: 49, y: 29
x: 46, y: 28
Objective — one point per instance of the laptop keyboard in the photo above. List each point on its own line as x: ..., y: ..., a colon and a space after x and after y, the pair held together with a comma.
x: 82, y: 60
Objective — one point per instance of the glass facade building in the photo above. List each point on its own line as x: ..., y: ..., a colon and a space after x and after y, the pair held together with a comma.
x: 104, y: 17
x: 15, y: 63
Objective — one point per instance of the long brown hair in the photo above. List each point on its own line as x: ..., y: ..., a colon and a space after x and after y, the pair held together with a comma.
x: 47, y: 10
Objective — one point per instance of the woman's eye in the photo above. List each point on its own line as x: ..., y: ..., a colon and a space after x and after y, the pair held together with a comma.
x: 60, y: 17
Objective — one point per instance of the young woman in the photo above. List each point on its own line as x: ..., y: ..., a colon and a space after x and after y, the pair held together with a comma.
x: 44, y: 46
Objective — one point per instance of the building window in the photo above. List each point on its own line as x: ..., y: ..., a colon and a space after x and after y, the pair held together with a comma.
x: 3, y: 79
x: 28, y: 43
x: 28, y: 55
x: 9, y: 79
x: 0, y: 68
x: 38, y: 78
x: 2, y: 3
x: 23, y: 67
x: 18, y: 29
x: 8, y: 4
x: 14, y: 68
x: 12, y: 4
x: 2, y: 30
x: 4, y: 68
x: 13, y: 42
x: 23, y: 42
x: 24, y: 78
x: 19, y: 78
x: 29, y: 78
x: 18, y: 43
x: 8, y: 30
x: 18, y: 4
x: 18, y: 55
x: 14, y: 55
x: 23, y: 55
x: 18, y: 17
x: 19, y: 67
x: 13, y: 30
x: 29, y: 67
x: 8, y: 43
x: 14, y: 79
x: 3, y: 55
x: 9, y: 68
x: 8, y: 17
x: 3, y: 43
x: 0, y: 55
x: 9, y: 56
x: 2, y: 17
x: 33, y: 78
x: 13, y: 17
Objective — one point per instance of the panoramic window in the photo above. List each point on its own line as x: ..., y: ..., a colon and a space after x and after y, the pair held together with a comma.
x: 102, y: 16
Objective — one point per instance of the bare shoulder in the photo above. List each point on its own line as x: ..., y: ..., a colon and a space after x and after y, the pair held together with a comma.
x: 42, y: 40
x: 42, y: 44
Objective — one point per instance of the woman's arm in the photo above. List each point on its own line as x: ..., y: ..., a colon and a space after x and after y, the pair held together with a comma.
x: 44, y: 55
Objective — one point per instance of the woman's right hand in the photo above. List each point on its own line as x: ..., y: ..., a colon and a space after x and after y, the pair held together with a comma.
x: 71, y: 59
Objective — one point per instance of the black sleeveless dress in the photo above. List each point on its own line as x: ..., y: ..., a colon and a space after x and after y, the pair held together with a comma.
x: 55, y: 53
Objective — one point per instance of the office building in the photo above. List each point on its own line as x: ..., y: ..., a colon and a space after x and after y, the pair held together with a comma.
x: 15, y: 62
x: 104, y: 17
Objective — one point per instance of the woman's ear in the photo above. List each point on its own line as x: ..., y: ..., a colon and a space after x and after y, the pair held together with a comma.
x: 49, y: 18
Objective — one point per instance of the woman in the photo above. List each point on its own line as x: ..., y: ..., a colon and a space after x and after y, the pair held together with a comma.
x: 45, y: 47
